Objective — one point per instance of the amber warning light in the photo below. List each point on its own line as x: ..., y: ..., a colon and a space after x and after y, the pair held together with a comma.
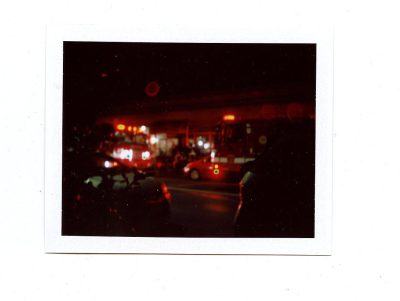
x: 121, y: 127
x: 229, y: 117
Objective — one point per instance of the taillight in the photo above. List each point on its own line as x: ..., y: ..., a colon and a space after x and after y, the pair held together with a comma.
x: 164, y: 188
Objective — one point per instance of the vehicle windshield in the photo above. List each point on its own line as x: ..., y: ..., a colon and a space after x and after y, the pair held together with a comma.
x: 140, y: 139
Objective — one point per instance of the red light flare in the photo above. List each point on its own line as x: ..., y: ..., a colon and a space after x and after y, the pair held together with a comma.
x: 217, y: 208
x: 104, y: 75
x: 121, y: 127
x: 229, y: 117
x: 152, y: 89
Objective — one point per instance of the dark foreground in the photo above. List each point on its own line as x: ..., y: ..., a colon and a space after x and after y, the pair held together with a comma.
x: 203, y: 209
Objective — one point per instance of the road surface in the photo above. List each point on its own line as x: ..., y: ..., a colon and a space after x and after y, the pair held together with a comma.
x: 203, y: 209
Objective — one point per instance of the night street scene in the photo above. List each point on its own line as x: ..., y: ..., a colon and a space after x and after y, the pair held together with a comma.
x: 188, y: 139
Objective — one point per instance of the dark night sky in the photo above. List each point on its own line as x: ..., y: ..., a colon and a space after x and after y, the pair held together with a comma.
x: 98, y: 75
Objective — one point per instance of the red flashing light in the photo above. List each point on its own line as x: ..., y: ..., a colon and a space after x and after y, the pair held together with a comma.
x: 229, y: 117
x: 121, y: 127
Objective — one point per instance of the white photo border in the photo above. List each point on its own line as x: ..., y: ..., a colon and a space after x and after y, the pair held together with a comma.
x: 56, y: 243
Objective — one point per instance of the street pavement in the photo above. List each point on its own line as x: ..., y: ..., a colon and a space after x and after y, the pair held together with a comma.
x: 204, y: 208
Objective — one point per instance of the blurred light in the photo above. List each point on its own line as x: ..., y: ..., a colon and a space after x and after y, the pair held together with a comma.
x: 153, y: 139
x: 115, y: 164
x: 200, y: 143
x: 152, y: 89
x: 121, y: 127
x: 229, y: 117
x: 123, y: 154
x: 165, y: 191
x: 129, y: 129
x: 134, y: 129
x: 216, y: 166
x: 216, y: 171
x: 212, y: 154
x: 164, y: 187
x: 146, y: 155
x: 107, y: 164
x: 104, y: 75
x: 143, y: 128
x: 206, y: 145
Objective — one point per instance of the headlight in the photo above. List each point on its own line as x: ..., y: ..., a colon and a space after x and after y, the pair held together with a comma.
x: 146, y: 155
x: 186, y: 169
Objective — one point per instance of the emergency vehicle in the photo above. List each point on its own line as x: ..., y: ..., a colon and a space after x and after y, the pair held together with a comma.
x: 236, y: 143
x: 130, y: 145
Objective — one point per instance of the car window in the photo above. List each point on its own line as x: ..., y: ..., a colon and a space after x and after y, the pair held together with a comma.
x: 95, y: 181
x: 119, y: 182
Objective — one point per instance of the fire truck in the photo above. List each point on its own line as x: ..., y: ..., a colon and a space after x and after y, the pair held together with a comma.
x: 237, y: 141
x: 130, y: 145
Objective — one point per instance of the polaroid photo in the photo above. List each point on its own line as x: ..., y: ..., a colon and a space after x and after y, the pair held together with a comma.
x: 175, y: 143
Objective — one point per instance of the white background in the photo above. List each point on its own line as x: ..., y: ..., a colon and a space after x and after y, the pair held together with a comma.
x: 365, y: 261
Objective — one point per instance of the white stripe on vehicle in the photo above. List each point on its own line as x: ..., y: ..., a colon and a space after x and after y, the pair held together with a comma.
x: 238, y: 160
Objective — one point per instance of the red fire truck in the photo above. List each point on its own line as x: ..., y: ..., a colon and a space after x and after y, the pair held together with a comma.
x: 237, y: 141
x: 241, y: 139
x: 130, y: 145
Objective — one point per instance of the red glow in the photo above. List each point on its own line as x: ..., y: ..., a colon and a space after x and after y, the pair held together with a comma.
x: 129, y: 129
x: 229, y: 117
x: 121, y: 127
x: 152, y: 89
x: 164, y: 188
x: 104, y: 75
